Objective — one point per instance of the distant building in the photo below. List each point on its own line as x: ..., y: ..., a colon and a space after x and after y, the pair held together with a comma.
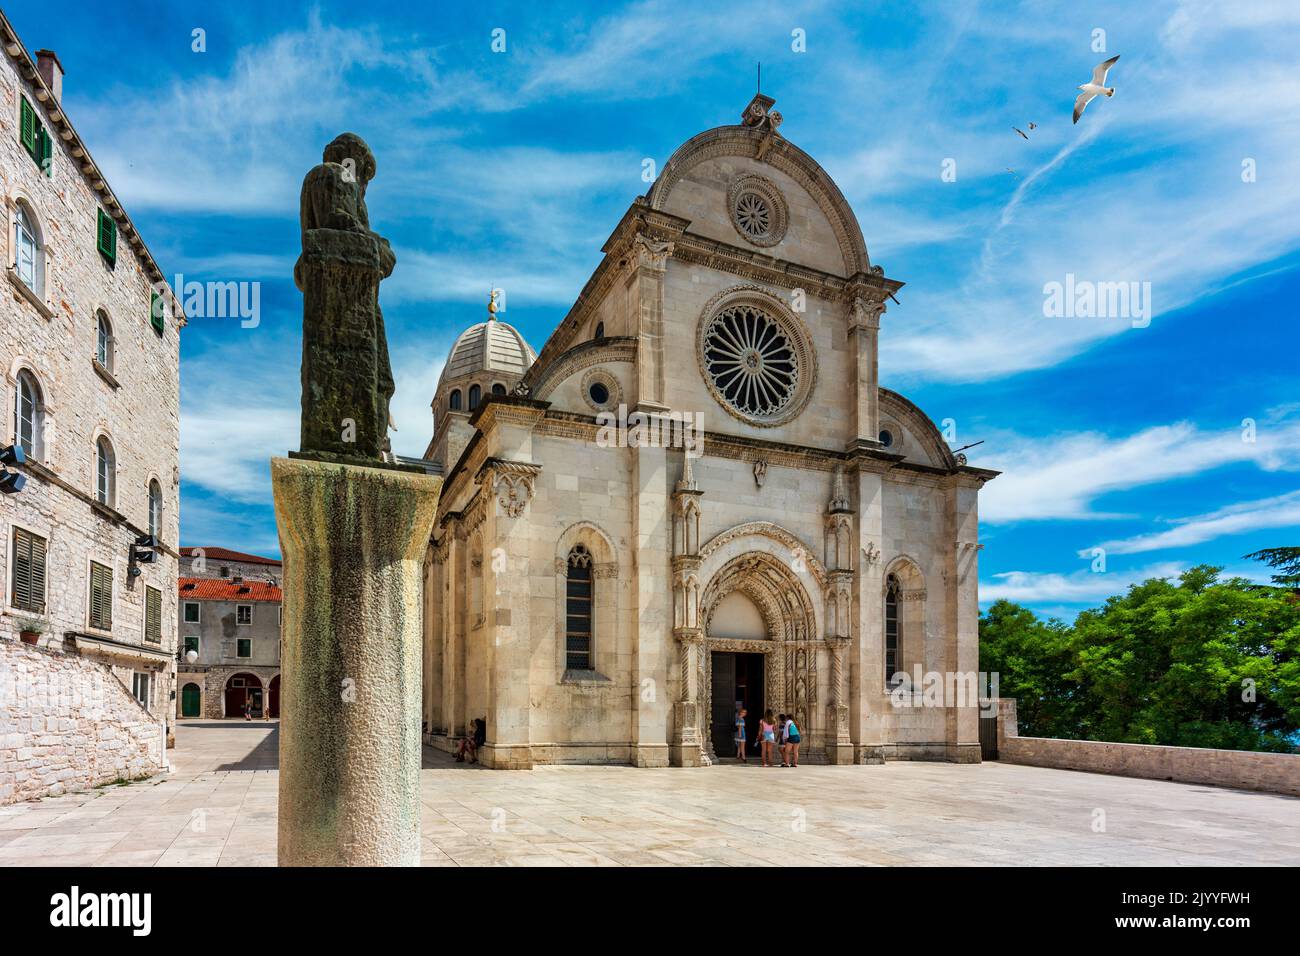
x: 229, y: 616
x: 90, y: 352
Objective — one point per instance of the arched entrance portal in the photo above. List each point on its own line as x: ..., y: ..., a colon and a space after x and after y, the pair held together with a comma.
x: 273, y: 697
x: 244, y: 689
x: 191, y: 701
x: 764, y: 634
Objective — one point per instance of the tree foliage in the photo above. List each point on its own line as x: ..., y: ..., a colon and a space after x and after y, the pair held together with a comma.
x: 1202, y: 662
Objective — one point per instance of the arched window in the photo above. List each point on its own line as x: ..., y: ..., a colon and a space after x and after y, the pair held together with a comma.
x: 29, y: 416
x: 474, y: 393
x: 103, y: 341
x: 28, y: 258
x: 155, y: 509
x: 498, y: 389
x: 105, y: 477
x: 892, y: 660
x: 578, y: 611
x: 454, y: 401
x: 600, y: 330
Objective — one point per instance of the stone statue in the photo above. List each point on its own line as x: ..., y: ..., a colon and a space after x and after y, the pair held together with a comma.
x: 347, y: 381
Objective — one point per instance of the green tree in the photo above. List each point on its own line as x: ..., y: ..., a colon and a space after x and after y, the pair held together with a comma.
x: 1031, y: 658
x: 1287, y: 560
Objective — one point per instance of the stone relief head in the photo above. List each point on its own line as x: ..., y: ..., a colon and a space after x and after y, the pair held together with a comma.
x: 350, y: 146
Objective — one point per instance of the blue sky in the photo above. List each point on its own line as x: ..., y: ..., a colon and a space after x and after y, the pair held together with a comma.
x: 511, y: 169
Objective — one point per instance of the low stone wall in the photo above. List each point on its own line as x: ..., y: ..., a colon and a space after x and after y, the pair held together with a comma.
x: 67, y: 723
x: 1239, y: 769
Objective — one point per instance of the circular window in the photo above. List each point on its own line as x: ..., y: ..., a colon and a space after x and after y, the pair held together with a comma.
x: 599, y: 393
x: 600, y: 389
x: 755, y: 358
x: 758, y: 210
x: 886, y: 439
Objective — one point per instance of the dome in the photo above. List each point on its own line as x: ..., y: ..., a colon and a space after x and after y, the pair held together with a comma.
x: 488, y: 346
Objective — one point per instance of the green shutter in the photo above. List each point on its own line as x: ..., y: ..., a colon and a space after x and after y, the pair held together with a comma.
x: 29, y: 572
x: 27, y: 127
x: 157, y: 311
x: 153, y: 615
x: 106, y: 236
x: 45, y: 148
x: 101, y: 597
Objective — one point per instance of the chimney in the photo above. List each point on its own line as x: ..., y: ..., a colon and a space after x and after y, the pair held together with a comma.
x: 51, y: 70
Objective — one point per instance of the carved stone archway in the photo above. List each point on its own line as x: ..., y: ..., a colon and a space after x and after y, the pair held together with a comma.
x: 790, y: 647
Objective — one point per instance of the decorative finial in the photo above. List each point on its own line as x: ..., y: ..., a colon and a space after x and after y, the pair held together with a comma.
x: 492, y: 304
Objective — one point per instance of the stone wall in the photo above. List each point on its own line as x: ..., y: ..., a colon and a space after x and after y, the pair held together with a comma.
x: 67, y: 723
x: 1240, y: 769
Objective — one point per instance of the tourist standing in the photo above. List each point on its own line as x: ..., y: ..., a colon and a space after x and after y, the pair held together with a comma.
x: 792, y: 739
x: 740, y: 734
x: 781, y: 721
x: 767, y: 738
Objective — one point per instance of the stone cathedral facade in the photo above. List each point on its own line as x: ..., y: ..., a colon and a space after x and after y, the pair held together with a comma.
x: 698, y: 496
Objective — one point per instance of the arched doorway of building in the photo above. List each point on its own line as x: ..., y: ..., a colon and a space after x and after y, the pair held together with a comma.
x: 736, y: 675
x: 191, y: 701
x: 242, y: 689
x: 273, y: 697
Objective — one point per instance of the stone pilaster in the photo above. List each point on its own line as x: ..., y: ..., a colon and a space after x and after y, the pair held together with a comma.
x: 653, y: 653
x: 961, y: 574
x: 648, y: 264
x: 354, y: 540
x: 867, y: 698
x: 864, y: 333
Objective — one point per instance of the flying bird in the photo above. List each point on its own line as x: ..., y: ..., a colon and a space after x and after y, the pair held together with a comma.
x: 1096, y: 87
x: 1020, y: 131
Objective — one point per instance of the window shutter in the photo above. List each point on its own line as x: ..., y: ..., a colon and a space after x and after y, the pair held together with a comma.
x: 27, y: 127
x: 153, y: 615
x: 101, y: 597
x: 157, y: 306
x: 29, y: 572
x: 45, y: 149
x: 106, y: 236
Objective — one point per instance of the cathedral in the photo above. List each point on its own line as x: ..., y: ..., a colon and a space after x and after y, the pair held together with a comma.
x: 697, y: 497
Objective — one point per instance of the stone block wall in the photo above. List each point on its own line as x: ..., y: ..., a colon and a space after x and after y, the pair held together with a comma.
x: 67, y: 723
x: 1239, y: 769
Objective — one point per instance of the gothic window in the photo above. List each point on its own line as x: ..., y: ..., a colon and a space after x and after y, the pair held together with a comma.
x: 105, y: 477
x: 892, y: 659
x: 29, y: 415
x: 751, y: 361
x: 474, y: 394
x: 103, y: 341
x: 454, y: 402
x: 578, y: 610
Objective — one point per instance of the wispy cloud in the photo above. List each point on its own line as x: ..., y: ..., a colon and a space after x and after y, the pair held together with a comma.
x: 1282, y: 511
x: 1079, y: 587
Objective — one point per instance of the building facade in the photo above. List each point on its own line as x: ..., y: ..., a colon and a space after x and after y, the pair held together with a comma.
x: 697, y: 496
x: 89, y: 350
x: 229, y: 607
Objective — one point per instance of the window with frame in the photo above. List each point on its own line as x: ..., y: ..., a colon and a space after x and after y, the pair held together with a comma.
x: 243, y: 614
x: 191, y: 612
x: 29, y: 259
x: 475, y: 393
x: 244, y: 647
x: 35, y: 138
x: 103, y: 341
x: 105, y: 472
x: 106, y: 236
x: 191, y: 643
x: 29, y: 415
x: 454, y: 401
x: 578, y: 610
x: 155, y: 509
x: 152, y: 615
x: 27, y: 582
x: 891, y: 631
x: 100, y: 615
x: 140, y: 686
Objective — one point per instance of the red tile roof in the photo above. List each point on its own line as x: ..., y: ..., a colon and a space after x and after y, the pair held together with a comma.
x: 225, y: 554
x: 223, y: 589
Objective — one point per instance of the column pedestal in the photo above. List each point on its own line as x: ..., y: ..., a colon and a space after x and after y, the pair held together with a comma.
x: 353, y: 540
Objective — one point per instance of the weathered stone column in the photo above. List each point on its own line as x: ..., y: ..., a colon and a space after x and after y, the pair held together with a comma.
x: 353, y: 540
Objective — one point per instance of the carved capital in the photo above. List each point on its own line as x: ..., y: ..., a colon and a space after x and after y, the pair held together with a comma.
x: 511, y: 482
x: 646, y: 253
x: 864, y: 315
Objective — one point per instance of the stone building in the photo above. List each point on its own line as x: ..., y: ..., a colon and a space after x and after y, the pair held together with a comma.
x: 230, y: 619
x: 698, y: 495
x: 89, y: 350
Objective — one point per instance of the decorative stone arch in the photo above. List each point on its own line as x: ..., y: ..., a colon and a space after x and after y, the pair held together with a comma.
x: 790, y: 610
x: 912, y: 601
x: 919, y: 426
x: 604, y: 597
x: 593, y: 352
x: 797, y: 552
x: 781, y: 154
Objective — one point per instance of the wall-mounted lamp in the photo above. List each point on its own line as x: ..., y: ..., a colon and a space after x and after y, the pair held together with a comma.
x: 11, y: 482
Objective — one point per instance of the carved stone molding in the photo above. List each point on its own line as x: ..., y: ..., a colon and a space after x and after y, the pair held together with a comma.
x: 647, y: 253
x: 768, y: 529
x: 512, y: 482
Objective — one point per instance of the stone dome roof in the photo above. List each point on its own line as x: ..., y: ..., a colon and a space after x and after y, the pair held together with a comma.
x: 488, y: 346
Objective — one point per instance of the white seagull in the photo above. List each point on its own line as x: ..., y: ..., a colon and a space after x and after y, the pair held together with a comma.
x: 1096, y: 87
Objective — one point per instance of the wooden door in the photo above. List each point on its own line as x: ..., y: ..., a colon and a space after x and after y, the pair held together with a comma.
x: 724, y: 703
x: 191, y: 698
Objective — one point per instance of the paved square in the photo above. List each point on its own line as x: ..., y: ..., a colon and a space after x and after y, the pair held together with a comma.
x: 218, y: 808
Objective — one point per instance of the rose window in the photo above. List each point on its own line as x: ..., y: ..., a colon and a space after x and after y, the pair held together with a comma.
x: 754, y: 215
x: 751, y: 361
